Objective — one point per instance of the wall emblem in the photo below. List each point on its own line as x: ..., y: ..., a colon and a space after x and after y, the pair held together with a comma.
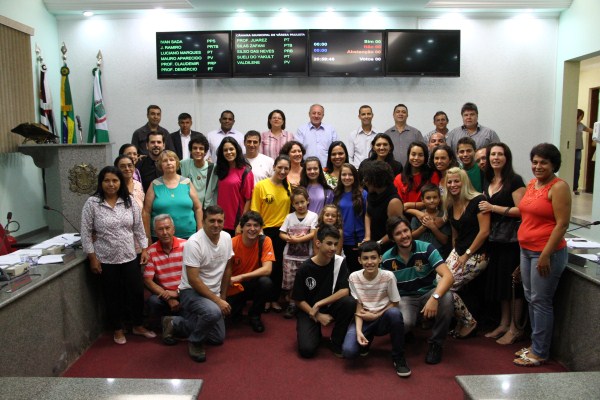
x: 83, y: 178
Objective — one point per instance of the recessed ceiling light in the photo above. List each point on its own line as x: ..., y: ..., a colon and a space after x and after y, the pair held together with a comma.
x: 330, y: 9
x: 283, y: 9
x: 88, y: 13
x: 374, y: 9
x: 240, y: 10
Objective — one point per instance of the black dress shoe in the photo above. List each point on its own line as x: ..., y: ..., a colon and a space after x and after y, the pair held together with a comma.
x: 257, y: 325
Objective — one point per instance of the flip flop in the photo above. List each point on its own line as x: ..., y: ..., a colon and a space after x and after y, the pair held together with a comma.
x: 526, y: 361
x: 524, y: 350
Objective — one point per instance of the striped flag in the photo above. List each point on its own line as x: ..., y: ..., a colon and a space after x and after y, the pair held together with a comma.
x: 98, y: 122
x: 46, y: 113
x: 66, y: 108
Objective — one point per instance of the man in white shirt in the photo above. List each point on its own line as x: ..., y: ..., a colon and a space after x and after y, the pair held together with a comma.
x: 215, y: 137
x: 359, y: 141
x: 205, y: 278
x: 262, y: 165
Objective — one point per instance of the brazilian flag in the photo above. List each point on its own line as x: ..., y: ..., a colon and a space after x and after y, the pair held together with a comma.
x: 66, y: 108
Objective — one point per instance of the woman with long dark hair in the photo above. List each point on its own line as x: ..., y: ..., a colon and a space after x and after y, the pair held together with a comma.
x: 351, y: 199
x: 111, y: 224
x: 271, y: 199
x: 336, y: 156
x: 382, y: 149
x: 314, y: 181
x: 441, y: 159
x: 503, y: 190
x: 235, y: 183
x: 415, y: 174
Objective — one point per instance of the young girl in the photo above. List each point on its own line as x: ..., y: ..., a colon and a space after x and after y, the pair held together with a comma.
x: 330, y: 215
x: 352, y: 201
x: 313, y: 179
x: 297, y: 231
x: 429, y: 225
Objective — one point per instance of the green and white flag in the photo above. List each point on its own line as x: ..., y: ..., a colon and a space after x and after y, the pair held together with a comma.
x: 98, y: 131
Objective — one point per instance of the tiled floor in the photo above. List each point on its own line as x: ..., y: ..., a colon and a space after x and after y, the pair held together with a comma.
x: 581, y: 207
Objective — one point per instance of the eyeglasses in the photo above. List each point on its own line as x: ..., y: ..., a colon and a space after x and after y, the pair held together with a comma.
x: 126, y: 166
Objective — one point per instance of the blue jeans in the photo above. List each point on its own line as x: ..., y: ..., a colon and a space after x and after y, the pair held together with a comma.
x: 390, y: 322
x: 539, y: 293
x: 201, y: 320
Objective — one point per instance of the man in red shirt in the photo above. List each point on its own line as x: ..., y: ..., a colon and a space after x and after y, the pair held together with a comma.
x: 162, y: 274
x: 252, y: 264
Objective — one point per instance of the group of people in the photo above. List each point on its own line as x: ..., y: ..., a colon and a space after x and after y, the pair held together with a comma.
x: 373, y: 237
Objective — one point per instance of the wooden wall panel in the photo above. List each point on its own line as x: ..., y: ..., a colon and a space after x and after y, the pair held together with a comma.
x: 16, y: 85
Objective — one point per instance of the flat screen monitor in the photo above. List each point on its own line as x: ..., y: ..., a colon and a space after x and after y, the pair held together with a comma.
x: 269, y: 53
x: 346, y: 53
x: 193, y: 55
x: 423, y: 53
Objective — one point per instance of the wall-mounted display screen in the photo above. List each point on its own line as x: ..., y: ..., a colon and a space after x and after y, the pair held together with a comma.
x: 269, y: 53
x: 193, y: 55
x: 423, y: 53
x: 346, y: 53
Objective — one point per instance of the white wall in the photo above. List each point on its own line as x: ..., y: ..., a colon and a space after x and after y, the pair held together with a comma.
x: 20, y: 180
x: 507, y: 68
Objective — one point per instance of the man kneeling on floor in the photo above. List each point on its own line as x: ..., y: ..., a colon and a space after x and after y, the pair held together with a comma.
x: 322, y: 296
x: 205, y: 277
x: 377, y: 311
x: 250, y: 271
x: 415, y: 264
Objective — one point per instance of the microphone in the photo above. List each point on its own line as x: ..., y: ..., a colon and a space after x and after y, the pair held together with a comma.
x: 47, y: 207
x: 584, y: 226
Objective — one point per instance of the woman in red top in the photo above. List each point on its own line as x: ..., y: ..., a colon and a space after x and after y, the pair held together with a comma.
x: 545, y: 212
x: 415, y: 174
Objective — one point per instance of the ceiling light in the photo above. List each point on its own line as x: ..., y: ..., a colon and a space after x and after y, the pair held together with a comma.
x: 240, y: 10
x: 88, y: 13
x: 283, y: 9
x: 374, y: 9
x: 330, y: 9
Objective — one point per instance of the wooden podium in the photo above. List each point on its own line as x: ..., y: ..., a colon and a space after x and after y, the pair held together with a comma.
x: 70, y: 173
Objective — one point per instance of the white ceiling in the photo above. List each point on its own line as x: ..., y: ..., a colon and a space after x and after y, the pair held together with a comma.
x: 70, y: 7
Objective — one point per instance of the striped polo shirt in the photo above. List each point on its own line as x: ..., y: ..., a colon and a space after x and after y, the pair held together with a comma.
x: 165, y: 269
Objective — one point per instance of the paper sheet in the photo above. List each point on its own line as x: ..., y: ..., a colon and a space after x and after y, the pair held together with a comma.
x: 51, y: 259
x: 582, y: 244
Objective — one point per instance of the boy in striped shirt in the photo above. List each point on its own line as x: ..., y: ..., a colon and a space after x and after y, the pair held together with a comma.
x: 377, y: 311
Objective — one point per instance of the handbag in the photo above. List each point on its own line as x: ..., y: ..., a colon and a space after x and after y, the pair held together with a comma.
x: 505, y: 229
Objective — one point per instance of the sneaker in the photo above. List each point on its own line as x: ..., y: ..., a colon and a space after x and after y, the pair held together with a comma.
x: 434, y: 355
x: 168, y: 337
x: 402, y: 368
x: 290, y: 311
x: 257, y: 325
x: 364, y: 351
x: 197, y: 351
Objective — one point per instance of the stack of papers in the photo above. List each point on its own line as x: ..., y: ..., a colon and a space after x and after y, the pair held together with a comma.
x: 65, y: 239
x: 577, y: 243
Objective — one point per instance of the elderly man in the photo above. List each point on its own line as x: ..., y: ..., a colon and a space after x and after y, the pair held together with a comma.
x: 207, y: 259
x: 140, y: 135
x: 162, y: 274
x: 403, y: 134
x: 316, y: 136
x: 251, y: 269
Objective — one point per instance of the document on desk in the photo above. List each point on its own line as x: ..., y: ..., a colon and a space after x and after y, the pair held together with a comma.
x: 591, y: 257
x: 65, y: 239
x: 51, y: 259
x: 582, y: 244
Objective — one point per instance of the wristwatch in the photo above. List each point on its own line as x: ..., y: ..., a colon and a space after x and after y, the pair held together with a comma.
x: 435, y: 296
x: 468, y: 252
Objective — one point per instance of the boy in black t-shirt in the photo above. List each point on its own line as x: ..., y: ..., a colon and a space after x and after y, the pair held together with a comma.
x: 322, y: 295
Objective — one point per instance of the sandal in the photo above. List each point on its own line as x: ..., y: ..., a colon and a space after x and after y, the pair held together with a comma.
x: 497, y: 333
x: 524, y: 350
x: 467, y: 331
x: 510, y: 337
x: 276, y: 307
x: 526, y: 361
x: 119, y: 337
